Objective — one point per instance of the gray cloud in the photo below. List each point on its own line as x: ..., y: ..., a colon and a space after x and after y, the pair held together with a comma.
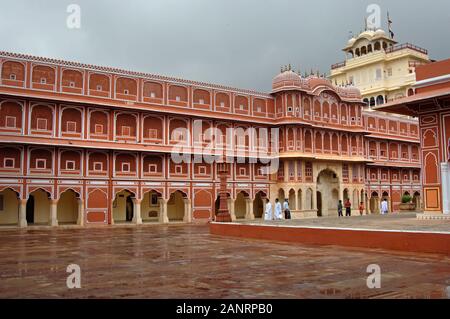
x: 240, y: 43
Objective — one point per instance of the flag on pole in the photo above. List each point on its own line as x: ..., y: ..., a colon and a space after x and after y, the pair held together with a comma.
x: 391, y: 33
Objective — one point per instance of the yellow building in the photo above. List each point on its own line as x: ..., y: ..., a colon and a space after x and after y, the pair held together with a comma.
x: 379, y: 67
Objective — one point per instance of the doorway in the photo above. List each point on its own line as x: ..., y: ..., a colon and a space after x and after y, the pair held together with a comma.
x: 327, y: 185
x: 30, y: 210
x: 129, y: 209
x: 319, y: 204
x: 123, y: 207
x: 374, y: 203
x: 258, y: 205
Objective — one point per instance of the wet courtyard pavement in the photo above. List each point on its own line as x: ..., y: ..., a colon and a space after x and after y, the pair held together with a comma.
x: 185, y: 261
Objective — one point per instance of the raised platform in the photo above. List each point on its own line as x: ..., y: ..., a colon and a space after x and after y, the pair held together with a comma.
x: 403, y: 232
x: 433, y: 216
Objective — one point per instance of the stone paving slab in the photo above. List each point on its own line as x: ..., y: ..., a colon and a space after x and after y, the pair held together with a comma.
x: 398, y: 221
x: 187, y: 262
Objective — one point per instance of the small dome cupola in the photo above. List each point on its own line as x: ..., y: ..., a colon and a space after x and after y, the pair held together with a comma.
x: 351, y: 41
x: 287, y: 78
x: 380, y: 33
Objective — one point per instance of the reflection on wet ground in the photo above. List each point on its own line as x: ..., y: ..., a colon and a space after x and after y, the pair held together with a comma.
x: 185, y: 261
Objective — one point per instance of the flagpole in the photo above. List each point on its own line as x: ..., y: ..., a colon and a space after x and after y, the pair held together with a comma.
x: 391, y: 34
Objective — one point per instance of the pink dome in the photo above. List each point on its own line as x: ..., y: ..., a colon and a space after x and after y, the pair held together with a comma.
x: 353, y: 91
x: 315, y: 81
x: 287, y: 78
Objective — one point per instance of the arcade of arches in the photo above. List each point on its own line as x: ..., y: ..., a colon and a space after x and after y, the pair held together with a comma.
x: 69, y: 209
x: 320, y: 199
x: 152, y: 208
x: 40, y: 209
x: 315, y: 198
x: 243, y: 207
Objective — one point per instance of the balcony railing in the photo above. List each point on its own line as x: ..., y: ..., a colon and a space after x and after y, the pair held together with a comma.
x: 406, y: 46
x: 414, y: 64
x: 338, y: 65
x: 392, y: 49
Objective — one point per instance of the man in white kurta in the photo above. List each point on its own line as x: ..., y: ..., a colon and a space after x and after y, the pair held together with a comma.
x: 278, y: 210
x: 384, y: 207
x: 268, y: 212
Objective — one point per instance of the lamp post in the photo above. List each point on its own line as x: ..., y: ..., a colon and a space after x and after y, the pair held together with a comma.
x: 223, y: 215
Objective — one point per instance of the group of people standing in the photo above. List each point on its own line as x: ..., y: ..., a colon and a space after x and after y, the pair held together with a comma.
x: 348, y: 208
x: 278, y: 210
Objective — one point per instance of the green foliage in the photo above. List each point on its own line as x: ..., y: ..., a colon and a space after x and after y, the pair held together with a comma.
x: 406, y: 199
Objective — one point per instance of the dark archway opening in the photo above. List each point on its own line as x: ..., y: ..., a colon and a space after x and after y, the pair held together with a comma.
x: 30, y: 210
x: 319, y: 204
x: 129, y: 209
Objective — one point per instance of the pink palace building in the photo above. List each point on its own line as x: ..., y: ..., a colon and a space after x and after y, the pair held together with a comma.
x: 90, y: 145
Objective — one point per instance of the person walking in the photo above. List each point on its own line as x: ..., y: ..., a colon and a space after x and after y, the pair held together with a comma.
x: 348, y: 208
x: 340, y: 208
x: 384, y: 207
x: 361, y: 208
x: 278, y: 213
x: 268, y: 212
x: 287, y: 210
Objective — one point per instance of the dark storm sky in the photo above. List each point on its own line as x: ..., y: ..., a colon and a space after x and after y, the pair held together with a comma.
x: 238, y: 43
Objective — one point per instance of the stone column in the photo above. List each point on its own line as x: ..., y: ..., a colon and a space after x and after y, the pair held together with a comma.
x: 111, y: 205
x: 355, y: 205
x: 231, y: 209
x: 294, y: 206
x: 80, y: 220
x: 23, y: 213
x: 249, y: 209
x: 187, y: 211
x: 366, y: 203
x: 445, y: 184
x: 137, y: 219
x: 163, y: 218
x: 286, y: 171
x: 314, y: 198
x: 295, y: 166
x: 349, y: 196
x: 341, y: 196
x: 53, y: 212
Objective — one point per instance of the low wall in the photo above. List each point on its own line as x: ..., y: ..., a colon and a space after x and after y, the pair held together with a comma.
x: 410, y: 241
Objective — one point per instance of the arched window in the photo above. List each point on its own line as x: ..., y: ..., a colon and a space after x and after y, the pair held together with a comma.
x: 308, y: 141
x: 366, y: 101
x: 380, y: 100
